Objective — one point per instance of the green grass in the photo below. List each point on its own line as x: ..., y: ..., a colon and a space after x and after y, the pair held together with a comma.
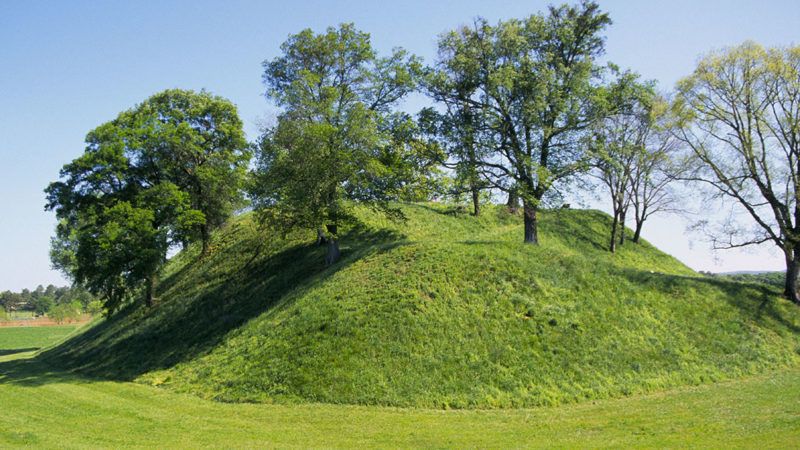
x: 443, y: 311
x: 15, y: 340
x: 74, y: 395
x: 16, y: 315
x: 49, y: 409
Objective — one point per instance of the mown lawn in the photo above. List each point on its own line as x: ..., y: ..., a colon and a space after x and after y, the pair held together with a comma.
x: 42, y: 407
x: 15, y: 340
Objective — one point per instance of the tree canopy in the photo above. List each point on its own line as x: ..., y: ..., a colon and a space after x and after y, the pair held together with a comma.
x: 537, y: 87
x: 740, y: 121
x: 522, y: 106
x: 633, y: 155
x: 159, y: 174
x: 338, y: 139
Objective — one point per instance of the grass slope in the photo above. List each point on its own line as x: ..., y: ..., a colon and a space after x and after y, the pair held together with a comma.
x: 444, y: 310
x: 49, y: 409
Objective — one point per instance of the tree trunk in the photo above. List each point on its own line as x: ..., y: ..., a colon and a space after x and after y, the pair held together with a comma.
x: 150, y: 290
x: 206, y: 236
x: 531, y: 226
x: 612, y: 246
x: 621, y: 227
x: 792, y: 270
x: 513, y: 202
x: 638, y: 233
x: 476, y: 201
x: 321, y: 239
x: 333, y: 246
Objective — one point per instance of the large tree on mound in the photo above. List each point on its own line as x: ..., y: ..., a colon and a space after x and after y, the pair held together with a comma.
x: 536, y: 86
x: 338, y: 140
x: 740, y: 120
x: 197, y: 142
x: 162, y: 173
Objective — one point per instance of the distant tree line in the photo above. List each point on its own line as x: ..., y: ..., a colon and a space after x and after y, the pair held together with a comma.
x: 521, y: 108
x: 57, y: 302
x: 775, y: 279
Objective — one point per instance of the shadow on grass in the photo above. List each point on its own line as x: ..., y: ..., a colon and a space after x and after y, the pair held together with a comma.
x: 754, y: 299
x: 207, y: 299
x: 445, y: 210
x: 578, y: 227
x: 4, y: 352
x: 34, y: 372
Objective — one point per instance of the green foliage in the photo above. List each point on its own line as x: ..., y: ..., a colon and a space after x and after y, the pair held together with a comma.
x: 43, y: 304
x: 165, y: 172
x: 95, y: 307
x: 534, y: 88
x: 12, y: 301
x: 739, y: 120
x: 456, y: 131
x: 442, y: 310
x: 65, y: 312
x: 628, y: 151
x: 338, y: 139
x: 42, y: 299
x: 200, y: 146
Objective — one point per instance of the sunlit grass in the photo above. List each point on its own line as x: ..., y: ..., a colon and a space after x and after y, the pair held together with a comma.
x: 444, y: 310
x: 46, y: 409
x: 18, y: 340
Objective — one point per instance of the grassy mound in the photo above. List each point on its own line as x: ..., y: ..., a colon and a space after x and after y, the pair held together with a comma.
x: 443, y: 310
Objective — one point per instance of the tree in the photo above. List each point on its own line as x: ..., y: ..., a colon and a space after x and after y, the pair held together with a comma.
x: 616, y: 144
x: 26, y: 296
x: 329, y: 146
x: 43, y: 304
x: 414, y: 173
x: 456, y: 129
x: 94, y: 307
x: 159, y: 174
x: 740, y: 121
x: 538, y: 91
x: 117, y: 248
x: 656, y: 169
x: 199, y: 145
x: 632, y: 155
x: 65, y: 312
x: 6, y: 299
x: 453, y: 131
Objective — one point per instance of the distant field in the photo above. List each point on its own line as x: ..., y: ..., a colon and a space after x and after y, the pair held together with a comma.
x: 44, y: 321
x: 15, y: 340
x: 42, y: 407
x: 16, y: 315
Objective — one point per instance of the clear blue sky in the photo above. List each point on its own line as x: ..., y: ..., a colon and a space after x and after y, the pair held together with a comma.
x: 66, y: 67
